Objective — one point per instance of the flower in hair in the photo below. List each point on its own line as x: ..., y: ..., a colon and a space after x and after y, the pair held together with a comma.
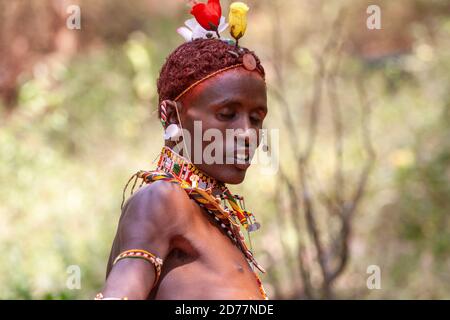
x: 208, y: 14
x: 238, y: 19
x: 208, y: 21
x: 193, y: 30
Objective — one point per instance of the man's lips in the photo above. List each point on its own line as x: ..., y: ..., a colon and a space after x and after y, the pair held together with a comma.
x: 241, y: 158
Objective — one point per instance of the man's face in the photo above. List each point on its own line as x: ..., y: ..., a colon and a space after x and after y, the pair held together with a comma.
x: 236, y: 100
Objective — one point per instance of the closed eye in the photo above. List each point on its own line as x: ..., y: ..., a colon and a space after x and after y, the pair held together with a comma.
x: 226, y: 114
x: 257, y: 117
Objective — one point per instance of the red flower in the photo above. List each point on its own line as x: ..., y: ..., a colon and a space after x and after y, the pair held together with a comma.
x: 208, y: 14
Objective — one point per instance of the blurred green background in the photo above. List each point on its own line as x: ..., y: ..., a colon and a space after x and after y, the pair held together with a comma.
x: 77, y: 118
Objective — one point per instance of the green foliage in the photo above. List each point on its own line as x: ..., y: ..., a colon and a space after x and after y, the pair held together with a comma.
x: 65, y: 157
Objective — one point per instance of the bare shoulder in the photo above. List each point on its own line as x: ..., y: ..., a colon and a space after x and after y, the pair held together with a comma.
x: 150, y: 218
x: 159, y: 203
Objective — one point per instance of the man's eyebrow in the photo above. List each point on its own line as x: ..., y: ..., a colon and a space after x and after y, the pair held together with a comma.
x: 227, y: 101
x: 263, y: 107
x: 222, y: 102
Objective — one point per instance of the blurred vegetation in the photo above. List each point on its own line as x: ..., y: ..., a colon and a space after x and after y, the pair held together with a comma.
x: 77, y: 119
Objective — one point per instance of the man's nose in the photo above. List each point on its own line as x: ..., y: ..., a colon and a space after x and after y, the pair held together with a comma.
x: 244, y: 132
x: 244, y: 125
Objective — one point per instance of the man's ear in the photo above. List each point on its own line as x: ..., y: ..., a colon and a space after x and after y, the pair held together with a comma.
x: 170, y: 111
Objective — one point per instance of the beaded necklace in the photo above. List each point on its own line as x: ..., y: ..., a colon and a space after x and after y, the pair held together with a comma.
x: 174, y: 168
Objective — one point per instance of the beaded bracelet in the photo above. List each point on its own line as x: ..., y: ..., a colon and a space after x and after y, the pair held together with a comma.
x: 99, y: 296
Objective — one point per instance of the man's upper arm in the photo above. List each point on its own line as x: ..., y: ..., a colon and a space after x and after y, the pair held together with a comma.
x: 149, y: 221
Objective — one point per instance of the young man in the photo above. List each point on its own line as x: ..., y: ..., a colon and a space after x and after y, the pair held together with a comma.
x: 185, y: 241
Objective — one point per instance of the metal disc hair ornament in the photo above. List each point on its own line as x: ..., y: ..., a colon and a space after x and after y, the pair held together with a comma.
x: 249, y: 62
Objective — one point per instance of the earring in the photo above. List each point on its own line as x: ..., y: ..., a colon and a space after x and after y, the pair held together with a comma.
x: 265, y: 147
x: 173, y: 132
x: 163, y: 114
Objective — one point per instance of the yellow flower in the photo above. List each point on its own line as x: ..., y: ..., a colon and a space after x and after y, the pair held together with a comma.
x: 238, y: 19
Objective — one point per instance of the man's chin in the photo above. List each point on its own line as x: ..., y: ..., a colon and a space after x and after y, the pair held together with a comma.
x: 236, y: 173
x: 234, y: 179
x: 227, y: 173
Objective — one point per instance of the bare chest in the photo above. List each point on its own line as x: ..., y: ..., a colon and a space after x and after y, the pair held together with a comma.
x: 205, y: 264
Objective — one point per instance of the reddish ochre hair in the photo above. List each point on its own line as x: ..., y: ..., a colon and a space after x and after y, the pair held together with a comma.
x: 195, y: 60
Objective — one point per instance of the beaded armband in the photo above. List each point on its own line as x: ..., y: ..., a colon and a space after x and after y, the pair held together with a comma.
x: 145, y: 255
x: 136, y: 254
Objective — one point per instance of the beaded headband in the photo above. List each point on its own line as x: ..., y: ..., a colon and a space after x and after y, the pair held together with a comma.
x: 249, y: 64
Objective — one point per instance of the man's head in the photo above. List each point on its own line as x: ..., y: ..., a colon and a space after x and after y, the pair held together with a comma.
x: 208, y: 82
